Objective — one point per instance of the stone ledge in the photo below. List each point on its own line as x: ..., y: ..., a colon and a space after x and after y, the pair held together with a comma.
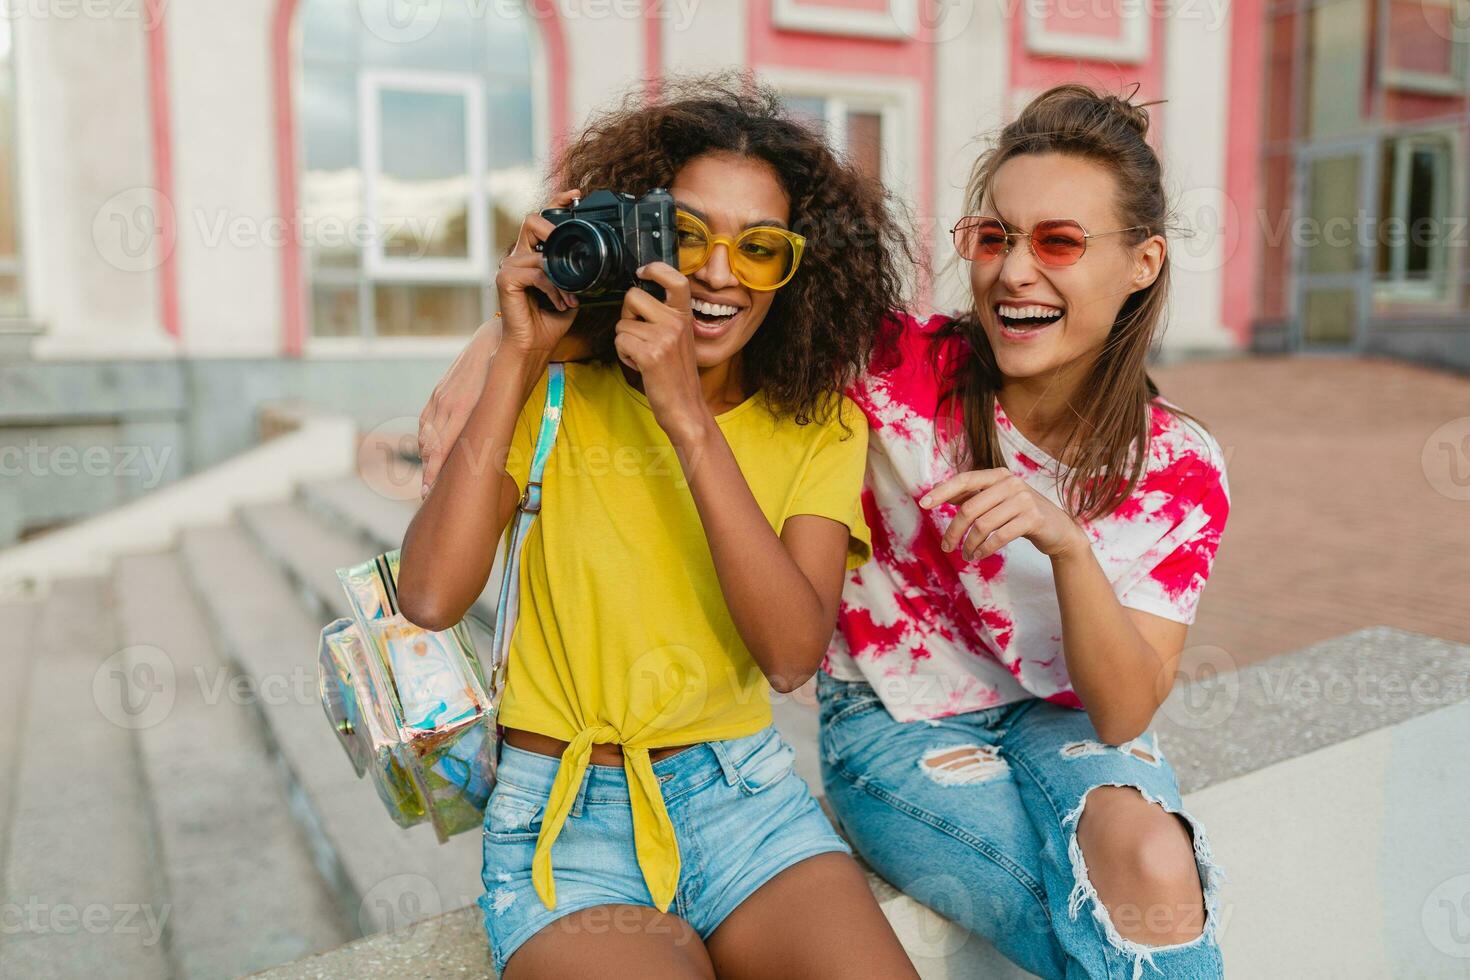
x: 1299, y: 702
x: 1295, y: 704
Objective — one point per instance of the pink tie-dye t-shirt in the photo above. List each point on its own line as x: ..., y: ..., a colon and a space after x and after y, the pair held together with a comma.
x: 937, y: 635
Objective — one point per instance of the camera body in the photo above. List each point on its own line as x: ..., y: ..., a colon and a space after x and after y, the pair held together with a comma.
x: 599, y: 242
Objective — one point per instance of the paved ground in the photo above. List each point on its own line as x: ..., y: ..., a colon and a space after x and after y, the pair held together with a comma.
x: 1350, y: 494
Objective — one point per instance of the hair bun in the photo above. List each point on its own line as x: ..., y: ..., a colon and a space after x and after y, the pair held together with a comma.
x: 1135, y: 116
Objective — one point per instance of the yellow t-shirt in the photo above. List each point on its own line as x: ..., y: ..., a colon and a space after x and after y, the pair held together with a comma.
x: 623, y: 633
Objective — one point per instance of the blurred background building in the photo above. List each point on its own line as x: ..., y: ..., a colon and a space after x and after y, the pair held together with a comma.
x: 241, y: 239
x: 205, y: 205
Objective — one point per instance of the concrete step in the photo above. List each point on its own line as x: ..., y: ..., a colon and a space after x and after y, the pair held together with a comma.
x: 384, y: 876
x: 352, y: 504
x: 310, y: 541
x: 79, y: 870
x: 238, y: 868
x: 17, y: 656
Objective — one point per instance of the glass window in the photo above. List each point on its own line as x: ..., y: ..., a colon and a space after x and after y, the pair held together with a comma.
x: 1417, y: 225
x: 422, y: 181
x: 417, y: 141
x: 1337, y: 59
x: 331, y: 181
x: 1329, y: 317
x: 854, y: 129
x: 422, y: 310
x: 12, y: 294
x: 442, y: 36
x: 1330, y: 204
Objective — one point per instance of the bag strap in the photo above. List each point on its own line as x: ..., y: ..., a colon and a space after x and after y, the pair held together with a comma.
x: 526, y: 511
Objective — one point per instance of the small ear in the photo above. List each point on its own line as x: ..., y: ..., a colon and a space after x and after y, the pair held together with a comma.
x: 1150, y: 255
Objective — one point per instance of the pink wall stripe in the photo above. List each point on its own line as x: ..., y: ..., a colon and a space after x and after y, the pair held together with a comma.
x: 163, y: 163
x: 653, y: 49
x: 1243, y: 163
x: 293, y: 292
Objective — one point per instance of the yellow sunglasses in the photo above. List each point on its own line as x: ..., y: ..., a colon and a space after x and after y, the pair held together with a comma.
x: 762, y: 258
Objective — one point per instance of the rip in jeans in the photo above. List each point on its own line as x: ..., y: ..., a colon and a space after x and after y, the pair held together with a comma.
x: 1211, y: 876
x: 1144, y: 747
x: 963, y: 765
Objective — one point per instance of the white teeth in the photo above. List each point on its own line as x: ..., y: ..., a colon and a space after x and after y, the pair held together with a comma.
x: 713, y: 309
x: 1028, y: 312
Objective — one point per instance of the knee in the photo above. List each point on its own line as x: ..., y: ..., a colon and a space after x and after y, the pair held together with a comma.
x: 1140, y: 859
x: 1121, y: 832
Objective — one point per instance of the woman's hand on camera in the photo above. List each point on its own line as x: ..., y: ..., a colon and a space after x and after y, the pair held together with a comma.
x: 525, y: 325
x: 656, y: 339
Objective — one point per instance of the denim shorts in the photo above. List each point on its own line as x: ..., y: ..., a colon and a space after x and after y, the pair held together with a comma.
x: 740, y: 812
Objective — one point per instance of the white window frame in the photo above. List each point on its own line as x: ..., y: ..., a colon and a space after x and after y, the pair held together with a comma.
x: 900, y: 20
x: 1444, y: 276
x: 896, y: 101
x: 376, y: 265
x: 1131, y: 47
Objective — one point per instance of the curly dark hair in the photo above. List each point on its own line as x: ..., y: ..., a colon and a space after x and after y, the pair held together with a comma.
x: 821, y: 325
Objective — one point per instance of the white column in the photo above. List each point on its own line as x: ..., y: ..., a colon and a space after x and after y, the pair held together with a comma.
x: 1195, y: 120
x: 225, y: 195
x: 88, y: 227
x: 704, y: 36
x: 971, y: 70
x: 604, y: 53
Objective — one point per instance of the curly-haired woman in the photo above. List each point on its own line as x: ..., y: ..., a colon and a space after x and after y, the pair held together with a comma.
x: 699, y: 511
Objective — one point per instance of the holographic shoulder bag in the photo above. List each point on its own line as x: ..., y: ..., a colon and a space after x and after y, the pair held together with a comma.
x: 417, y: 708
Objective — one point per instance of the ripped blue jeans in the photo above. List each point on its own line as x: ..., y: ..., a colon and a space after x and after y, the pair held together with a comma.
x: 976, y: 816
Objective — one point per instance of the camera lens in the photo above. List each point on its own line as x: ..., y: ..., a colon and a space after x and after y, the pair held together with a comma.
x: 583, y: 256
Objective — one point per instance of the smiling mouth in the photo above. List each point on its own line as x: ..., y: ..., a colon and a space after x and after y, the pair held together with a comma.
x: 1026, y: 319
x: 713, y: 316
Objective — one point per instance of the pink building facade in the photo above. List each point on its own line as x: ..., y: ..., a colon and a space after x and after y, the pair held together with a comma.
x: 281, y: 196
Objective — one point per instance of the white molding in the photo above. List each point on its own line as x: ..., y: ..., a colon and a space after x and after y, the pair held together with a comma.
x: 1131, y: 48
x: 376, y: 265
x: 57, y: 346
x: 899, y: 21
x: 328, y: 348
